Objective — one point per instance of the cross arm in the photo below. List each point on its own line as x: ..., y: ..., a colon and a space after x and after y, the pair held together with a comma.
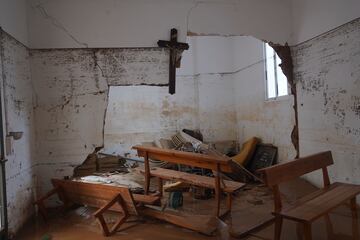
x: 177, y: 45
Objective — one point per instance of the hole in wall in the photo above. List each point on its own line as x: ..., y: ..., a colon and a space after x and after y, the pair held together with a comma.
x: 220, y: 91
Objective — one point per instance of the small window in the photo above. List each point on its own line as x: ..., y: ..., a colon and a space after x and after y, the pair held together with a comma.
x: 276, y: 82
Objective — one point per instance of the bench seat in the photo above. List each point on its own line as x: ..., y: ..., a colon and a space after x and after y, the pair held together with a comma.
x: 314, y: 205
x: 146, y: 199
x: 193, y: 179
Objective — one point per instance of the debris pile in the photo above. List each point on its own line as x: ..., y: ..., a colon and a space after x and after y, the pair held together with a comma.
x: 100, y: 163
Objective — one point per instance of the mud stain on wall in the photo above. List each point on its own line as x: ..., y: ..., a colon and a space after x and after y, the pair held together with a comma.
x: 327, y: 70
x: 18, y: 96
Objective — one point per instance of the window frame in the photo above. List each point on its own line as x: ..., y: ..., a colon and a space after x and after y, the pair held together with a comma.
x: 276, y: 64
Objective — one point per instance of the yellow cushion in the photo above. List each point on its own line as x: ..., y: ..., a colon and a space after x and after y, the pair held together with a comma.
x: 247, y: 151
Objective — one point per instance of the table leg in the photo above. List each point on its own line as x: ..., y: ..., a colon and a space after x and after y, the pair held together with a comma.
x: 147, y: 174
x: 217, y: 190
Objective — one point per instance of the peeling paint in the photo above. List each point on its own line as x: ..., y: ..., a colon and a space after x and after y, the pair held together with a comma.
x: 327, y: 69
x: 18, y: 96
x: 356, y: 105
x: 287, y: 67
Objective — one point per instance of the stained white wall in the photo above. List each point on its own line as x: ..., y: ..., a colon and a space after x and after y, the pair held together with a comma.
x: 140, y: 23
x: 19, y: 117
x: 71, y: 99
x: 327, y: 71
x: 138, y: 114
x: 313, y: 17
x: 203, y: 100
x: 13, y: 19
x: 270, y: 120
x: 231, y: 82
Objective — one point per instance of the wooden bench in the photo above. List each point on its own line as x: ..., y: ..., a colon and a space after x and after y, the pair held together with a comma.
x: 314, y: 205
x: 104, y: 197
x: 119, y: 199
x: 216, y: 163
x: 193, y: 179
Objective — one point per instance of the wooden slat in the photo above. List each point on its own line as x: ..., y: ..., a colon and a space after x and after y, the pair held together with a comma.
x: 247, y: 230
x: 201, y: 223
x: 321, y: 204
x: 197, y: 180
x: 146, y: 199
x: 186, y: 158
x: 93, y: 194
x: 295, y: 168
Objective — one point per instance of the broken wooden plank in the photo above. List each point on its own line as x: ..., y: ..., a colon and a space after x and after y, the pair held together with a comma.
x: 205, y: 224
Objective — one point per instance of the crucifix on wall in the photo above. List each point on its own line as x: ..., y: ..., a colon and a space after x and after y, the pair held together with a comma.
x: 176, y: 48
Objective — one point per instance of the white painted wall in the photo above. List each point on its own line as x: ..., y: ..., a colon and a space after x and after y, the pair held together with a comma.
x: 203, y: 100
x: 71, y: 99
x: 327, y: 71
x: 138, y: 114
x: 206, y: 55
x: 231, y: 82
x: 19, y: 117
x: 266, y: 20
x: 313, y: 17
x: 272, y: 121
x: 140, y: 23
x: 13, y: 19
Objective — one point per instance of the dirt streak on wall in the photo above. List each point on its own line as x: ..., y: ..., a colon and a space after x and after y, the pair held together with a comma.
x: 113, y: 98
x: 18, y: 101
x: 327, y: 74
x: 72, y: 89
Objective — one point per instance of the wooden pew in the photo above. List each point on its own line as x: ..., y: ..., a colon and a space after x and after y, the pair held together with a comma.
x: 315, y: 205
x: 216, y: 163
x: 104, y: 197
x: 121, y: 200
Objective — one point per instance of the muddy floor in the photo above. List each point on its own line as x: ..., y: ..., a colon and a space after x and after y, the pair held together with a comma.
x: 250, y: 207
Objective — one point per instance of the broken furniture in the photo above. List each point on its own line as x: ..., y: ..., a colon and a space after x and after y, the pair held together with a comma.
x: 119, y: 199
x: 104, y: 197
x: 247, y: 151
x: 264, y: 156
x: 218, y: 164
x: 100, y: 163
x: 315, y: 205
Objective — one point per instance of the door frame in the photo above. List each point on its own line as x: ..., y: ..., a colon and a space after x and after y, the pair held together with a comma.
x: 3, y: 197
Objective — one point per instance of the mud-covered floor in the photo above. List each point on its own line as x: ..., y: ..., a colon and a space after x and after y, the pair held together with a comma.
x: 251, y: 206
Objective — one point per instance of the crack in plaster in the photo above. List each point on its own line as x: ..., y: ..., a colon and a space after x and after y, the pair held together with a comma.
x: 223, y: 73
x: 41, y: 9
x: 96, y: 64
x: 287, y: 67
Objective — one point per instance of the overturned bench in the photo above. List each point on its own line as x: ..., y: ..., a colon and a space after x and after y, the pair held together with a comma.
x: 119, y: 199
x: 216, y: 163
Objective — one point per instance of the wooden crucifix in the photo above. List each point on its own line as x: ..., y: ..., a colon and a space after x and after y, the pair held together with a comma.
x: 176, y: 48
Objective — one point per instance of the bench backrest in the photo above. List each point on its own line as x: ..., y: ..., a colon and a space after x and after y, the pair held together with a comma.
x: 186, y: 158
x: 287, y: 171
x: 94, y: 195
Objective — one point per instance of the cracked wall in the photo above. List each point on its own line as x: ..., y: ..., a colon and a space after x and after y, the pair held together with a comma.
x: 70, y: 108
x: 72, y: 89
x: 83, y: 23
x: 327, y: 74
x: 122, y: 96
x: 19, y: 117
x: 270, y: 120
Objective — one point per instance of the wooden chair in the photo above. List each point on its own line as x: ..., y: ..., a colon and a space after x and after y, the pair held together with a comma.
x: 315, y: 205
